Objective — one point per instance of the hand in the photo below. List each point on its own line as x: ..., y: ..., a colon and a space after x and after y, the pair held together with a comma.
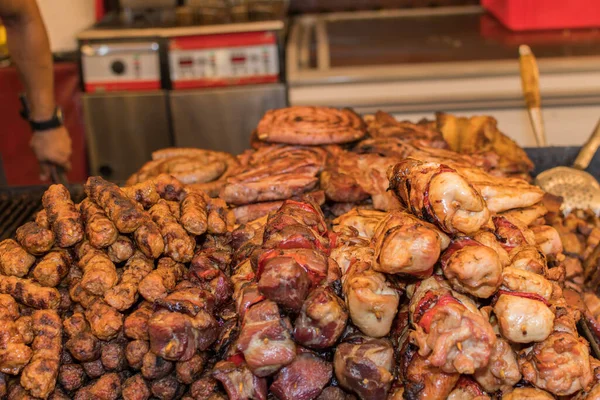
x: 52, y: 147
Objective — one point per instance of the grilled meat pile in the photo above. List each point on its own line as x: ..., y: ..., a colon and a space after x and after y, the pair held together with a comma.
x: 339, y: 259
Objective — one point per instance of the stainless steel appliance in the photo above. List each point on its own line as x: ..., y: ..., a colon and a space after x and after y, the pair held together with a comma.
x: 415, y: 62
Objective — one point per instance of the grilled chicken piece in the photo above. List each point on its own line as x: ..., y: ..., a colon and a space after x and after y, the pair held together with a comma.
x: 529, y: 258
x: 29, y: 293
x: 14, y: 354
x: 450, y: 331
x: 39, y: 376
x: 119, y: 208
x: 502, y: 371
x: 560, y: 364
x: 303, y: 379
x: 52, y: 268
x: 310, y: 126
x: 406, y: 245
x: 100, y: 230
x: 63, y: 217
x: 178, y: 244
x: 34, y: 238
x: 238, y: 381
x: 265, y: 339
x: 123, y: 295
x: 321, y: 320
x: 14, y: 260
x: 275, y: 173
x: 439, y: 194
x: 364, y: 366
x: 472, y: 268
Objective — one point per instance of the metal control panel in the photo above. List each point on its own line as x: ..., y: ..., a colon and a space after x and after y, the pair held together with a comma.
x: 223, y: 60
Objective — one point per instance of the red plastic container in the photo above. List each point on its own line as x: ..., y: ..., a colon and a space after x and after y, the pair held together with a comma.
x: 522, y: 15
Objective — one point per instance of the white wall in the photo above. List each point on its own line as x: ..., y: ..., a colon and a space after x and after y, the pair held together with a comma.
x: 65, y: 19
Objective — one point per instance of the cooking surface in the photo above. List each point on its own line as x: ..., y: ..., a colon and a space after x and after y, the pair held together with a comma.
x: 445, y: 38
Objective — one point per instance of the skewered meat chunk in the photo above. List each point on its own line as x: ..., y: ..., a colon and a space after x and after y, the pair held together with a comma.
x: 107, y: 387
x: 14, y: 354
x: 160, y: 282
x: 29, y: 293
x: 63, y: 217
x: 99, y: 272
x: 135, y: 388
x: 265, y: 339
x: 194, y: 217
x: 121, y: 250
x: 450, y: 331
x: 105, y: 321
x: 35, y: 239
x: 135, y: 352
x: 121, y: 210
x: 178, y: 244
x: 406, y: 245
x: 303, y: 379
x: 14, y: 260
x: 100, y: 230
x: 502, y: 372
x: 52, y: 268
x: 238, y: 381
x: 144, y: 193
x: 371, y: 301
x: 136, y: 323
x: 437, y: 193
x: 529, y: 258
x: 310, y: 126
x: 518, y: 280
x: 148, y: 239
x: 512, y: 233
x: 560, y: 364
x: 472, y: 268
x: 155, y: 367
x: 125, y: 293
x: 364, y: 366
x: 39, y: 376
x: 71, y: 376
x: 322, y: 319
x: 190, y: 370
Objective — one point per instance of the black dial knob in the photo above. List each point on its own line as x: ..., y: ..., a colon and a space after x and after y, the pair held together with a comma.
x: 118, y: 67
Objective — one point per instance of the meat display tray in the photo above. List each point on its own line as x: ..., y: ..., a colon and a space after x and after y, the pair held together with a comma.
x: 20, y: 204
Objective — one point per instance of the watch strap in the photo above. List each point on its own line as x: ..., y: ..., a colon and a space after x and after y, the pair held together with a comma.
x: 53, y: 123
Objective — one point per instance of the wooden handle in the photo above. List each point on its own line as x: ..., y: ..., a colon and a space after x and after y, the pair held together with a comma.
x: 588, y: 150
x: 530, y: 77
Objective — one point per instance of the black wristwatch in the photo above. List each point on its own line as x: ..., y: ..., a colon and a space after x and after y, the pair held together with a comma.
x: 55, y: 122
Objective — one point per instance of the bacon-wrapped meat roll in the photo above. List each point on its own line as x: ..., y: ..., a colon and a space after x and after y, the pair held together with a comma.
x: 100, y: 230
x: 39, y: 376
x: 437, y: 193
x: 14, y: 260
x: 63, y: 217
x: 122, y: 211
x: 34, y: 238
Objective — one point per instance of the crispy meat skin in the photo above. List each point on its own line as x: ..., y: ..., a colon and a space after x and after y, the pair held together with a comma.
x: 14, y: 260
x: 34, y: 238
x: 29, y: 293
x: 178, y: 244
x: 121, y: 210
x: 39, y: 376
x: 63, y: 217
x: 100, y: 230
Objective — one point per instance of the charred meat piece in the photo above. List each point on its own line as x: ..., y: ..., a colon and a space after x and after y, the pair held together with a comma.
x: 169, y: 187
x: 99, y: 272
x: 303, y: 379
x: 14, y: 260
x: 25, y: 328
x: 364, y: 366
x: 121, y: 250
x: 63, y: 217
x: 265, y: 339
x: 135, y: 352
x: 71, y: 376
x: 194, y: 217
x: 100, y: 230
x: 52, y: 268
x: 125, y: 293
x: 39, y: 376
x: 113, y: 355
x: 35, y: 239
x: 155, y: 367
x: 310, y: 126
x: 94, y: 369
x: 166, y: 388
x: 135, y: 388
x: 238, y: 381
x: 384, y: 125
x: 148, y: 239
x: 178, y: 244
x: 190, y: 370
x: 439, y: 194
x: 29, y: 293
x: 121, y: 210
x: 322, y: 319
x: 107, y: 387
x: 105, y: 321
x: 136, y: 323
x: 162, y: 281
x: 14, y: 354
x: 84, y: 347
x: 144, y: 193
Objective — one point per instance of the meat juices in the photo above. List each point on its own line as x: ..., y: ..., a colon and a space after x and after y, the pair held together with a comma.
x: 63, y: 217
